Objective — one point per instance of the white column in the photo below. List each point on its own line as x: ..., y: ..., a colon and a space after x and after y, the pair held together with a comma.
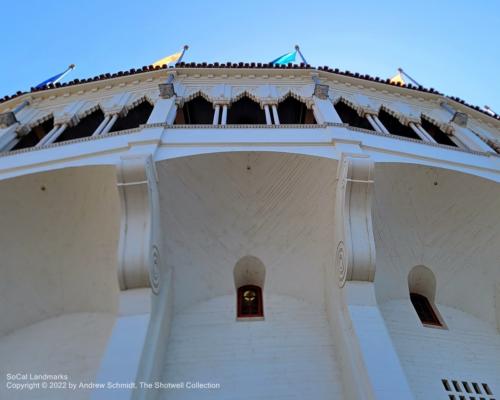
x: 101, y: 126
x: 380, y: 124
x: 47, y: 136
x: 275, y: 115
x: 268, y: 115
x: 56, y: 134
x: 421, y: 133
x: 216, y: 115
x: 8, y: 137
x: 224, y: 115
x: 110, y: 124
x: 373, y: 123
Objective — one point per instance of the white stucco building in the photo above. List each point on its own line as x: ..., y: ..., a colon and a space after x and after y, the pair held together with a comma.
x: 248, y: 232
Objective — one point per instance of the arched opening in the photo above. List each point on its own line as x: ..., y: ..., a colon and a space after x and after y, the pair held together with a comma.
x: 245, y: 111
x: 293, y: 111
x: 350, y: 116
x: 437, y: 133
x: 395, y: 127
x: 135, y: 117
x: 35, y: 134
x: 422, y: 287
x: 249, y: 275
x: 195, y: 111
x: 84, y: 128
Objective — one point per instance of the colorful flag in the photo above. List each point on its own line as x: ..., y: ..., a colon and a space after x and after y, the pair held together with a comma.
x: 398, y: 78
x: 168, y: 59
x: 285, y: 59
x: 55, y: 78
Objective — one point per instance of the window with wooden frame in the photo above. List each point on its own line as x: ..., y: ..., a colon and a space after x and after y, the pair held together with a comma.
x: 250, y: 302
x: 425, y: 310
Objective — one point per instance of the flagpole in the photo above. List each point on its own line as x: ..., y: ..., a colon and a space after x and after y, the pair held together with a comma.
x: 70, y: 68
x: 400, y: 70
x: 186, y: 47
x: 170, y: 77
x: 297, y: 49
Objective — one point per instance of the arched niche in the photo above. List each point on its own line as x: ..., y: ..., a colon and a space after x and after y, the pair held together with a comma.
x: 195, y: 111
x: 249, y: 270
x: 421, y: 280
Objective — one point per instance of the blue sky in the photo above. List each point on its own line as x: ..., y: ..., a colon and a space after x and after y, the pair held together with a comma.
x: 452, y: 46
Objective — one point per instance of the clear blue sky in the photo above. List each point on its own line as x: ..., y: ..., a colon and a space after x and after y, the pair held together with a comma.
x: 453, y: 46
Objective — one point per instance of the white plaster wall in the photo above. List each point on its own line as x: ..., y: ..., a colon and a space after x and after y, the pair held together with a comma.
x: 278, y: 207
x: 216, y: 211
x: 58, y: 280
x: 289, y: 355
x: 453, y: 228
x: 58, y: 245
x: 469, y: 350
x: 70, y: 344
x: 446, y: 221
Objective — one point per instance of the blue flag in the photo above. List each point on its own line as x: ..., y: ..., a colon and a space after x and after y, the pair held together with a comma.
x: 55, y: 78
x: 285, y: 58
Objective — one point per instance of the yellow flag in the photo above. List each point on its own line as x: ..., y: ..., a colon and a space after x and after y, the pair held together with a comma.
x: 398, y: 78
x: 168, y: 59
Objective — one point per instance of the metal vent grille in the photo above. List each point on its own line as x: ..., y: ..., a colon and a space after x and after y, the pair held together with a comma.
x: 465, y: 390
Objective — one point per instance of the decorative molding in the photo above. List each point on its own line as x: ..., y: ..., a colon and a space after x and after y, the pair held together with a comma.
x: 354, y: 241
x: 139, y: 255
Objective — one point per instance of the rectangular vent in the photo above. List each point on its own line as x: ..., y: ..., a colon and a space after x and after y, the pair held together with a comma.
x: 463, y: 390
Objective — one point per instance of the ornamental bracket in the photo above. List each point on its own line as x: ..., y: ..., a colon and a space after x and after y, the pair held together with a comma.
x: 354, y: 241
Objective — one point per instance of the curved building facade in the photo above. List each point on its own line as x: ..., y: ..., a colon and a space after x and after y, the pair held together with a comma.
x: 237, y: 231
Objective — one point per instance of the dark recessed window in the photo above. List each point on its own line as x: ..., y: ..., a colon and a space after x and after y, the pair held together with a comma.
x: 437, y: 133
x: 293, y: 111
x: 195, y: 111
x: 424, y: 310
x: 350, y: 116
x: 135, y: 117
x: 250, y: 302
x: 245, y: 111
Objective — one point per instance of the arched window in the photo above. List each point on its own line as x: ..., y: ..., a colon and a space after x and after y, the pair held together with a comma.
x: 293, y: 111
x: 250, y: 302
x: 422, y: 286
x: 395, y: 127
x: 249, y: 275
x: 350, y: 116
x: 35, y: 134
x: 246, y: 111
x: 85, y: 127
x: 437, y: 133
x: 195, y: 111
x: 135, y: 117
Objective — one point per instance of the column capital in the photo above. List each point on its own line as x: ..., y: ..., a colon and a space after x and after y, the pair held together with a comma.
x: 321, y: 91
x: 166, y: 90
x: 7, y: 119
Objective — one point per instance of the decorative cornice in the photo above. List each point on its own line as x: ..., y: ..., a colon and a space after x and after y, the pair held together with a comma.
x: 324, y: 71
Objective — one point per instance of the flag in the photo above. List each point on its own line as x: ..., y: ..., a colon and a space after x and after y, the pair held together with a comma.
x: 168, y: 59
x: 285, y: 59
x: 398, y: 78
x: 55, y: 78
